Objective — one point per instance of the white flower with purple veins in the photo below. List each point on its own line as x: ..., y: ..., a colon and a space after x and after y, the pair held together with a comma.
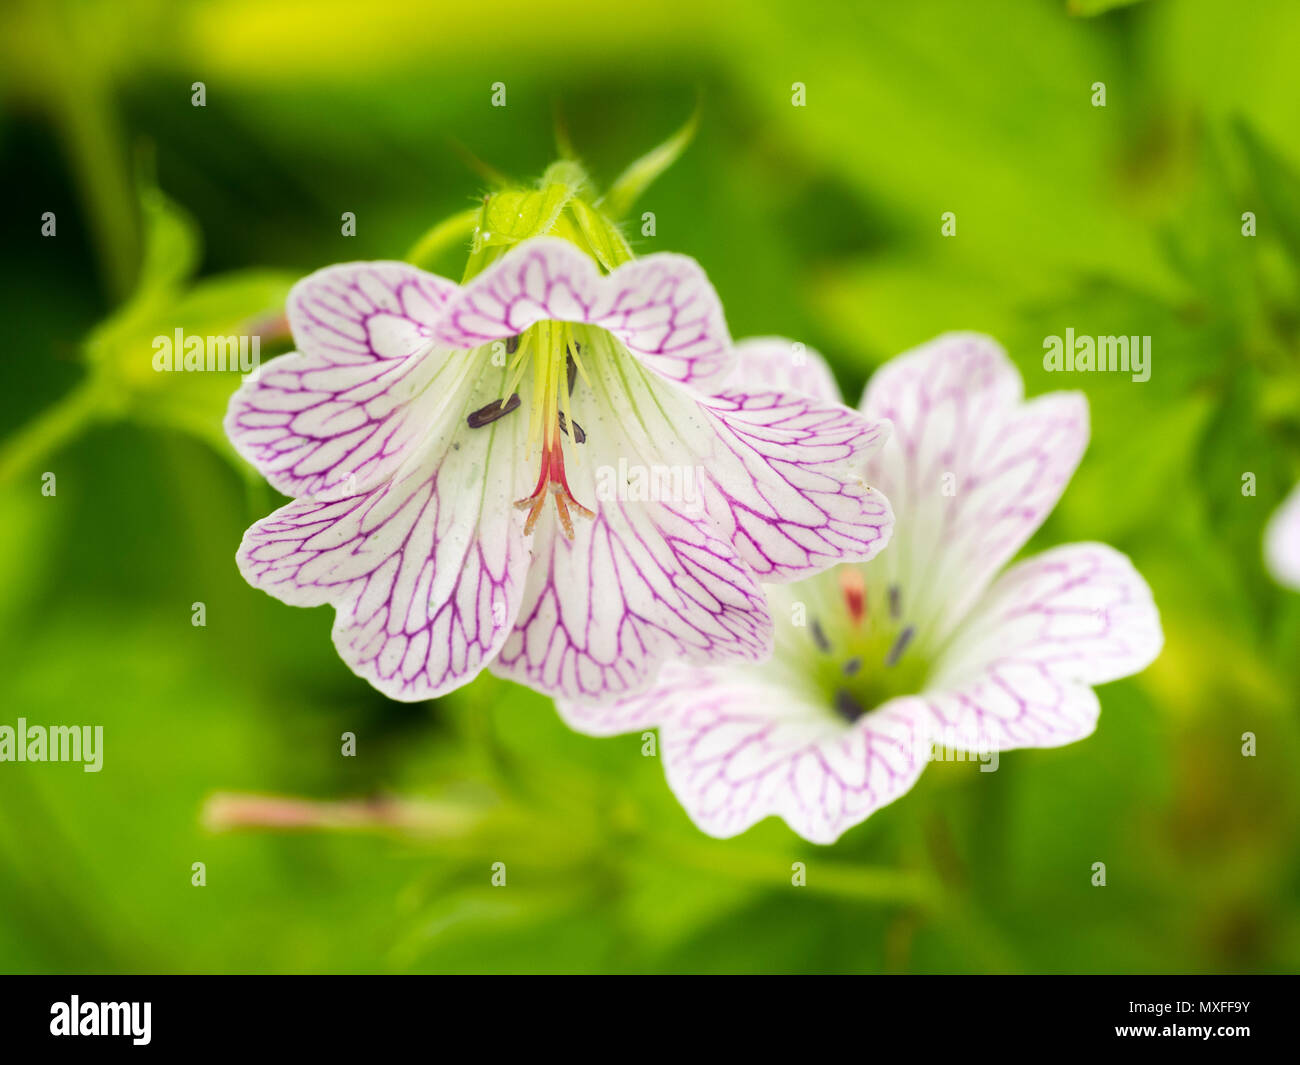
x: 931, y: 644
x: 1282, y: 541
x: 446, y: 447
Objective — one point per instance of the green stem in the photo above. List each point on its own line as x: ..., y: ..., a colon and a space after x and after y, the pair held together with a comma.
x: 50, y: 430
x: 422, y: 818
x: 79, y: 96
x: 961, y: 914
x: 445, y: 234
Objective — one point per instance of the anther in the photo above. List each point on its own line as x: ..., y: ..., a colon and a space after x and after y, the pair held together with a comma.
x: 579, y: 437
x: 486, y: 415
x: 900, y: 645
x: 847, y: 706
x: 819, y: 637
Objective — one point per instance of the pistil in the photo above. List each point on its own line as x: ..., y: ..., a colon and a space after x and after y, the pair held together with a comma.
x: 869, y: 651
x: 553, y: 353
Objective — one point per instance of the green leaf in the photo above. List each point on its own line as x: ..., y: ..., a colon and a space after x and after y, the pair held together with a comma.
x: 1277, y: 184
x: 234, y: 304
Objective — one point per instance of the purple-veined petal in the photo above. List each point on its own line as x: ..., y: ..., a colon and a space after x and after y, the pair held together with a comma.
x: 363, y: 312
x: 338, y: 416
x: 647, y: 708
x: 315, y: 428
x: 1020, y: 669
x: 781, y: 365
x: 641, y: 582
x: 426, y: 572
x: 781, y: 472
x: 785, y: 487
x: 738, y: 748
x: 1282, y: 542
x: 970, y: 470
x: 668, y: 314
x: 661, y: 307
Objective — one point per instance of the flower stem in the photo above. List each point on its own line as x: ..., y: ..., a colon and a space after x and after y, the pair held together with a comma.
x: 227, y: 811
x: 429, y: 819
x: 50, y: 430
x: 446, y: 234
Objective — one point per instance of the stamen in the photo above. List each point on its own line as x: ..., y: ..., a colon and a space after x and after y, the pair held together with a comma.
x: 564, y: 414
x: 538, y: 422
x: 574, y: 352
x: 486, y: 415
x: 520, y: 365
x: 579, y: 437
x: 900, y: 645
x: 847, y: 706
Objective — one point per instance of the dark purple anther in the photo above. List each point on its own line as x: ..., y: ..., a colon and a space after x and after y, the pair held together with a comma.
x: 494, y: 410
x: 900, y: 645
x: 847, y: 706
x: 579, y: 435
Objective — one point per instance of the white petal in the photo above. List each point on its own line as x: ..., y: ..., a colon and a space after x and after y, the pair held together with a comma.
x: 1282, y: 542
x: 339, y: 416
x: 640, y: 582
x: 730, y: 767
x: 365, y: 312
x: 426, y: 572
x: 970, y: 470
x: 661, y: 307
x: 784, y: 484
x: 1020, y: 669
x: 780, y: 471
x: 739, y: 747
x: 646, y: 579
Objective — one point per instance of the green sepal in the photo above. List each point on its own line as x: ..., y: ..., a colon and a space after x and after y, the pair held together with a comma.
x: 601, y: 237
x: 515, y: 215
x: 641, y: 174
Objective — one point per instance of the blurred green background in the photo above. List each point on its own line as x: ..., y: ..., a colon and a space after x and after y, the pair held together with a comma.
x: 821, y: 223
